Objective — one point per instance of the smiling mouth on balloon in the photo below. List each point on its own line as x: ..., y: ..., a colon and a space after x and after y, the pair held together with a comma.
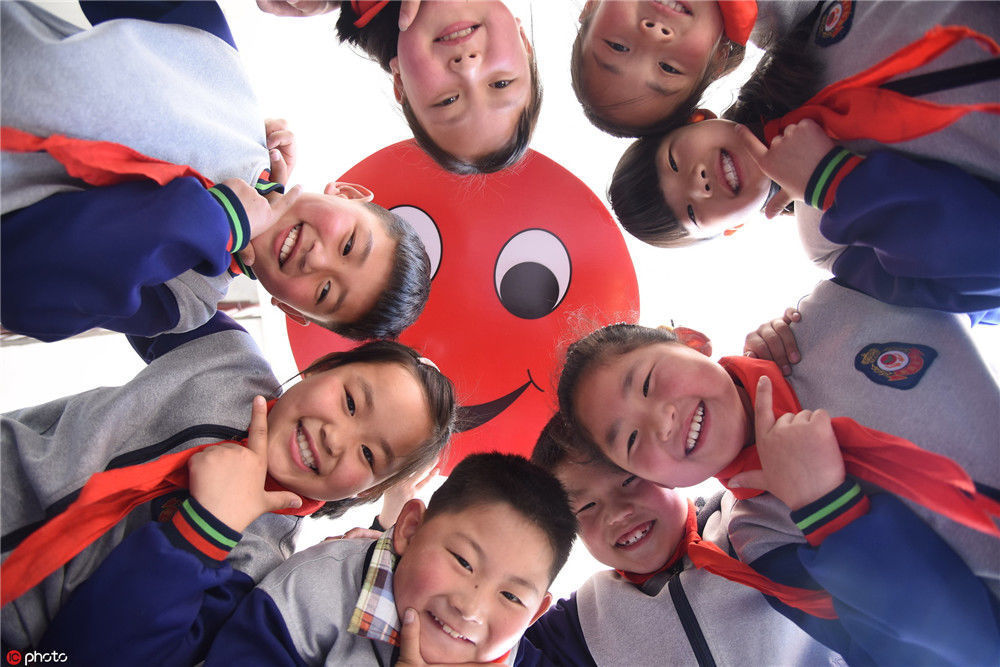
x: 472, y: 416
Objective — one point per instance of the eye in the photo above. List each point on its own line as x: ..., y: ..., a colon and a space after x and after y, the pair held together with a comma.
x: 532, y: 274
x: 670, y: 160
x: 425, y: 227
x: 349, y: 245
x: 503, y: 83
x: 323, y: 292
x: 691, y: 215
x: 645, y: 385
x: 367, y: 453
x: 350, y: 402
x: 448, y: 101
x: 461, y: 561
x: 631, y: 441
x: 615, y: 46
x: 510, y: 596
x: 585, y: 508
x: 630, y: 479
x: 668, y: 69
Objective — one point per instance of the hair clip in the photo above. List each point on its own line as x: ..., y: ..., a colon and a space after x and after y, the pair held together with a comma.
x: 427, y: 362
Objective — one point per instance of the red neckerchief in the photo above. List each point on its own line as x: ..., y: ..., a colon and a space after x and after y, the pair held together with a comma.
x: 856, y: 108
x: 366, y: 10
x: 705, y: 555
x: 103, y: 501
x: 738, y: 17
x: 892, y: 463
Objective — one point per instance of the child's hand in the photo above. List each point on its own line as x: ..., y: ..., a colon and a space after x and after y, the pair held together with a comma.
x: 409, y: 642
x: 799, y: 455
x: 790, y: 161
x: 400, y: 494
x: 281, y: 149
x: 297, y: 7
x: 775, y: 341
x: 262, y: 211
x: 228, y: 480
x: 407, y: 12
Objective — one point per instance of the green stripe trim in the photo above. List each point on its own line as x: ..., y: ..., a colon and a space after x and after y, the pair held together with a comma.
x: 824, y: 177
x: 234, y: 217
x: 821, y: 514
x: 205, y: 528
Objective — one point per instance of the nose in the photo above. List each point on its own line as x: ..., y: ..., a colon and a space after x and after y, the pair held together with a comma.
x: 466, y: 62
x: 319, y: 259
x: 470, y: 603
x: 664, y: 421
x: 700, y: 186
x: 619, y: 511
x: 655, y: 29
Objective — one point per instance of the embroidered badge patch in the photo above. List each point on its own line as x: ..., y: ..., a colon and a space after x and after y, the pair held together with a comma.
x: 896, y: 365
x: 835, y: 22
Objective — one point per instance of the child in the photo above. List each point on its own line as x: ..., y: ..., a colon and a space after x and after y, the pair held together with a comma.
x: 358, y: 422
x: 77, y: 256
x: 906, y: 232
x: 464, y: 74
x: 666, y: 412
x: 656, y: 592
x: 474, y: 566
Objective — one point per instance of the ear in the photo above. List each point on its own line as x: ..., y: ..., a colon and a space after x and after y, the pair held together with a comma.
x: 349, y: 191
x: 411, y: 517
x: 588, y: 8
x: 397, y: 81
x: 699, y: 115
x: 696, y: 340
x: 293, y: 314
x: 524, y: 39
x: 722, y: 51
x: 543, y: 607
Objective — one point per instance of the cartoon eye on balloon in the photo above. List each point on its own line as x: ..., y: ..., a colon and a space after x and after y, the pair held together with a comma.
x: 523, y: 262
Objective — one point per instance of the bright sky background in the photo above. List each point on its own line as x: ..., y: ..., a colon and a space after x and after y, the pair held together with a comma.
x: 341, y: 108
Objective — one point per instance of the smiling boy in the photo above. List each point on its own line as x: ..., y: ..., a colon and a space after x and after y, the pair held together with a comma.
x: 475, y: 565
x: 95, y: 235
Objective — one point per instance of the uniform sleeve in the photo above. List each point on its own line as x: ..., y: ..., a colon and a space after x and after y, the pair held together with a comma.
x: 100, y: 257
x: 256, y: 634
x: 205, y: 16
x: 903, y: 596
x: 920, y: 234
x: 556, y: 638
x: 159, y: 598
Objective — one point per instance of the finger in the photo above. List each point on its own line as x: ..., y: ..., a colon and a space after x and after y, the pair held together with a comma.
x: 409, y: 639
x: 754, y: 346
x: 274, y: 124
x: 281, y: 500
x: 792, y: 315
x: 281, y: 203
x: 280, y: 137
x: 777, y: 203
x: 408, y: 12
x: 257, y: 433
x: 755, y: 147
x: 248, y: 255
x: 788, y: 345
x: 751, y: 479
x: 775, y: 346
x: 763, y: 412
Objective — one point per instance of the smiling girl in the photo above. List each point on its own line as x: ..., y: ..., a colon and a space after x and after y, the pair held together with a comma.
x: 357, y: 423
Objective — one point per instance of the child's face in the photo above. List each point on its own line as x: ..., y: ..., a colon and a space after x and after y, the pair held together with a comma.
x: 626, y: 522
x: 639, y: 60
x: 463, y: 67
x: 341, y: 431
x: 328, y: 258
x: 477, y: 578
x: 708, y: 178
x: 664, y: 412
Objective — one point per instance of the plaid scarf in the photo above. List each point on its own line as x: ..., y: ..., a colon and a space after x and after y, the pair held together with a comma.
x: 375, y: 615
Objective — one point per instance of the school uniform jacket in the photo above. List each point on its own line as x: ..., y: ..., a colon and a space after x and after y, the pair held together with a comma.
x: 165, y: 79
x: 197, y: 389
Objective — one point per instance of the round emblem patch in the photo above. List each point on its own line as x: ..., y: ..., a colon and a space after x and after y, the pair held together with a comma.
x: 893, y: 361
x: 835, y: 22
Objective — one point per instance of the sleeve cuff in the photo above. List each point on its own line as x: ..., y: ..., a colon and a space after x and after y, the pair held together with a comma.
x: 831, y: 170
x: 264, y: 185
x: 196, y: 530
x: 236, y: 216
x: 828, y: 514
x: 377, y: 525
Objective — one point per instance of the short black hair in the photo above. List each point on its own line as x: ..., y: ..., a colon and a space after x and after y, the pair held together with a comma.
x: 637, y: 198
x: 492, y: 478
x: 405, y: 295
x: 556, y: 444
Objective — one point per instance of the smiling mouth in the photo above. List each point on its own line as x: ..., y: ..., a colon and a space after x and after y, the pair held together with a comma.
x: 694, y: 434
x: 673, y: 6
x: 450, y: 631
x: 305, y: 452
x: 457, y: 36
x: 634, y: 536
x: 289, y: 244
x: 729, y: 171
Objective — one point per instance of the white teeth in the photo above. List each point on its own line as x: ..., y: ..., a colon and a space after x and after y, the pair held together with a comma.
x: 450, y: 630
x: 634, y: 536
x: 676, y: 6
x: 695, y: 431
x: 729, y: 168
x: 286, y: 247
x: 304, y: 451
x: 457, y: 34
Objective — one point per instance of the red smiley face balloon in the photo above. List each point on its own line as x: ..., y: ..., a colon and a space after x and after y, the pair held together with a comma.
x: 524, y: 261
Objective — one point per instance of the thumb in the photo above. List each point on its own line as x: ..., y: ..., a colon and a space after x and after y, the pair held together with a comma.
x: 281, y: 203
x: 763, y: 411
x: 777, y: 203
x: 755, y: 147
x: 408, y: 12
x: 281, y: 500
x: 409, y: 639
x: 751, y: 479
x: 248, y: 255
